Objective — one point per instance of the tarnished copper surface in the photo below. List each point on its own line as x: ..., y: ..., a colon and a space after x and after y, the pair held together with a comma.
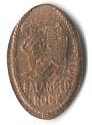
x: 45, y: 61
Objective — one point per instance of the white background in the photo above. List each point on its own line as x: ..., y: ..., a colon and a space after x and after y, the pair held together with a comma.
x: 11, y: 112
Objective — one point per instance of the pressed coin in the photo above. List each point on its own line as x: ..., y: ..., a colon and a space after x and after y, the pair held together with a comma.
x: 45, y: 61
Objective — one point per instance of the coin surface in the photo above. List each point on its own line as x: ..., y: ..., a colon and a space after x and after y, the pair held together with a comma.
x: 45, y: 61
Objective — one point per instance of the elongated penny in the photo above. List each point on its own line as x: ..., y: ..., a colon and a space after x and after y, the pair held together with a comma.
x: 45, y: 61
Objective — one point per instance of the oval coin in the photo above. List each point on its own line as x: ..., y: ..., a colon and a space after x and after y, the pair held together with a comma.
x: 45, y: 61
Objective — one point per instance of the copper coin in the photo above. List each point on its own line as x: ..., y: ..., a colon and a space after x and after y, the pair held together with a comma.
x: 45, y: 61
